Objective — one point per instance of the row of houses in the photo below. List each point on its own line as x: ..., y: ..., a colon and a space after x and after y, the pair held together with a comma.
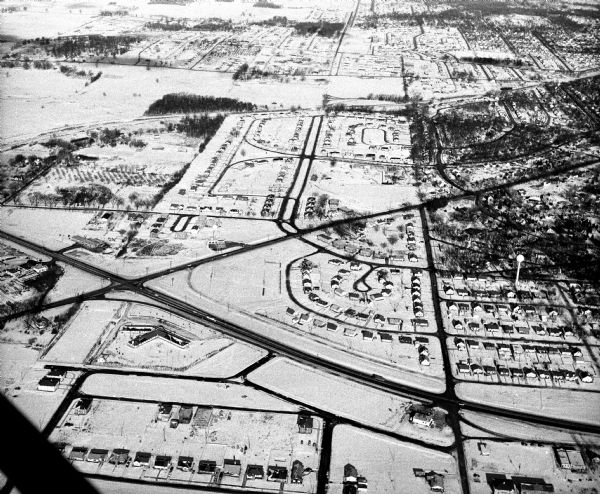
x: 229, y: 467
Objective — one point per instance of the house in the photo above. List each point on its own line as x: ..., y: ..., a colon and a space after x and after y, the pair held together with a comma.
x: 423, y: 419
x: 503, y: 486
x: 207, y: 466
x: 492, y: 327
x: 305, y: 423
x: 483, y: 449
x: 142, y: 459
x: 162, y: 462
x: 350, y: 474
x: 254, y: 472
x: 48, y: 384
x: 385, y: 337
x: 185, y: 463
x: 435, y: 481
x: 379, y: 319
x: 57, y: 373
x: 350, y: 332
x: 536, y: 487
x: 367, y: 335
x: 97, y: 455
x: 361, y: 484
x: 476, y: 369
x: 463, y: 368
x: 78, y: 453
x: 232, y: 467
x: 584, y: 376
x: 164, y: 411
x: 119, y: 456
x: 576, y: 460
x: 83, y: 406
x: 297, y: 472
x: 185, y: 414
x: 276, y: 473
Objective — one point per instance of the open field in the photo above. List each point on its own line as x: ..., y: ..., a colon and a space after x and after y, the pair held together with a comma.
x: 386, y: 463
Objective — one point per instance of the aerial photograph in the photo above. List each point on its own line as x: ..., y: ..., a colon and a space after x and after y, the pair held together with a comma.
x: 300, y: 246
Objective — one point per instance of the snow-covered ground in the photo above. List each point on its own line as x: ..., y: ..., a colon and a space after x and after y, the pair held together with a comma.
x: 386, y: 463
x: 19, y: 376
x: 93, y: 321
x: 549, y: 402
x: 47, y: 227
x: 345, y: 398
x: 36, y: 101
x: 173, y: 390
x: 74, y: 282
x: 475, y: 424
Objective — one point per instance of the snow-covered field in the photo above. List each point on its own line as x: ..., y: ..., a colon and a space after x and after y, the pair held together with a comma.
x: 345, y: 398
x: 173, y: 390
x: 49, y: 228
x: 92, y: 322
x: 549, y: 402
x: 387, y: 464
x: 36, y: 101
x: 74, y: 282
x: 359, y: 187
x: 475, y: 424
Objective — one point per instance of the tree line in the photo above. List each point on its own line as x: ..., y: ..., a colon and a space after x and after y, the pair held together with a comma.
x: 194, y: 103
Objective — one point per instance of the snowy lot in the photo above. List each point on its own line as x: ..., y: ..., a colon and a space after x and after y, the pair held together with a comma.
x: 20, y: 373
x: 51, y: 229
x: 92, y: 323
x: 173, y: 390
x: 377, y: 409
x: 550, y: 402
x: 387, y: 464
x: 74, y: 282
x: 475, y: 424
x: 359, y: 187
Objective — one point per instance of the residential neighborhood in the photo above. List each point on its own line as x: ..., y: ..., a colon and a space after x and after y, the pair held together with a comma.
x: 299, y: 246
